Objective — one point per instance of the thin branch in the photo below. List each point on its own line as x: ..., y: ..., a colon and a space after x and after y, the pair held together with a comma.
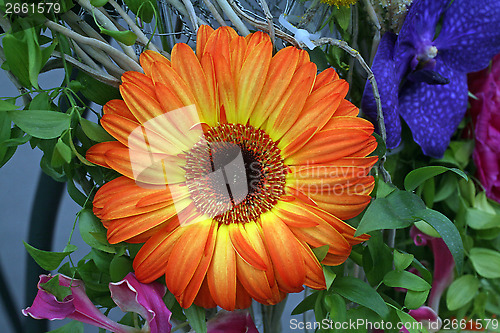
x: 98, y: 75
x: 191, y: 13
x: 141, y: 37
x: 233, y: 17
x: 107, y: 24
x: 269, y: 18
x: 85, y: 59
x: 121, y: 59
x: 182, y: 9
x: 215, y: 12
x: 380, y: 115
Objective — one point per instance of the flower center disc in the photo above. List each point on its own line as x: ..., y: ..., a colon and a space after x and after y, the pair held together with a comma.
x: 235, y: 173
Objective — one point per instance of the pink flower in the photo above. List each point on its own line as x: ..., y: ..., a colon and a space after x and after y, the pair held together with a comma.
x: 443, y: 264
x: 428, y: 317
x: 129, y: 294
x: 232, y: 322
x: 485, y: 85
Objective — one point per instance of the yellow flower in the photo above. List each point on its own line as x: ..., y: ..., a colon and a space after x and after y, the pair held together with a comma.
x: 286, y: 146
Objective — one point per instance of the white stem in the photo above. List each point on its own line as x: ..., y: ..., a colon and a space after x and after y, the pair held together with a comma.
x: 235, y: 19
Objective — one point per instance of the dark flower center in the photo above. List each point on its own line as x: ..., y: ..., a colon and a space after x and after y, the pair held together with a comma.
x: 235, y: 173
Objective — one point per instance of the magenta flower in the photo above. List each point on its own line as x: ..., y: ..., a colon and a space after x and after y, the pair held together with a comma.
x: 443, y: 265
x: 485, y: 85
x: 129, y: 294
x: 232, y: 322
x: 428, y: 317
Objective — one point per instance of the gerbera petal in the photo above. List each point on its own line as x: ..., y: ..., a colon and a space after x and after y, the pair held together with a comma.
x: 253, y: 280
x: 221, y: 275
x: 330, y: 145
x: 97, y: 153
x: 325, y: 77
x: 238, y: 47
x: 192, y: 289
x: 119, y: 108
x: 187, y: 65
x: 315, y: 278
x: 151, y: 261
x: 244, y: 248
x: 142, y: 105
x: 192, y: 245
x: 349, y: 122
x: 344, y: 206
x: 243, y: 298
x: 204, y: 33
x: 279, y: 76
x: 284, y: 249
x: 251, y: 80
x: 284, y: 115
x: 141, y: 80
x: 148, y: 58
x: 346, y: 108
x: 204, y: 298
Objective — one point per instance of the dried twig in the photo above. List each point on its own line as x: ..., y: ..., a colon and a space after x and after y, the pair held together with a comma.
x: 269, y: 18
x: 233, y: 17
x: 121, y: 59
x: 215, y: 12
x: 191, y: 13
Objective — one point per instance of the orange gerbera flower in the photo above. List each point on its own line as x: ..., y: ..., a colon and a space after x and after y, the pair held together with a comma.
x: 235, y: 164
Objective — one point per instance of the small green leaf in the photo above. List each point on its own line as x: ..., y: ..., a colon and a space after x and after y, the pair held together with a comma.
x: 461, y: 292
x: 479, y: 219
x: 88, y: 223
x: 486, y: 262
x: 409, y: 322
x: 62, y: 154
x: 448, y: 232
x: 16, y: 53
x: 417, y: 177
x: 52, y: 287
x: 71, y: 327
x: 402, y: 260
x: 126, y: 37
x: 98, y: 3
x: 360, y: 292
x: 405, y: 279
x: 143, y: 9
x: 392, y: 212
x: 343, y: 16
x: 320, y: 252
x: 329, y: 276
x: 415, y: 299
x: 306, y: 304
x: 338, y: 309
x: 7, y: 106
x: 95, y: 90
x: 196, y: 318
x: 41, y: 124
x: 94, y: 131
x: 46, y: 259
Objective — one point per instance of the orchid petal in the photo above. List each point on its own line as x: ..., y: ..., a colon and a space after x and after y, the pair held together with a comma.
x: 232, y: 322
x: 384, y: 69
x: 433, y: 112
x: 470, y: 36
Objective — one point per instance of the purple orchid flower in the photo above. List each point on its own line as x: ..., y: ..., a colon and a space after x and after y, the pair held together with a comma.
x: 443, y: 264
x: 232, y: 322
x: 422, y: 78
x: 129, y: 294
x: 428, y: 317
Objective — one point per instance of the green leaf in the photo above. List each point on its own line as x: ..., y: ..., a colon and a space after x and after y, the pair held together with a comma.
x: 479, y: 219
x: 409, y: 322
x: 320, y: 252
x: 360, y: 292
x: 486, y: 262
x: 306, y: 304
x: 72, y: 327
x: 143, y: 9
x: 381, y: 148
x: 338, y: 310
x: 88, y: 224
x: 448, y: 232
x: 46, y: 259
x: 41, y: 124
x: 395, y: 211
x: 415, y: 299
x: 405, y: 279
x: 7, y: 106
x: 34, y: 56
x: 94, y: 131
x: 417, y: 177
x: 52, y: 287
x: 95, y: 90
x: 98, y: 3
x: 461, y: 292
x: 343, y: 16
x: 119, y: 267
x: 62, y: 154
x: 16, y: 54
x: 402, y: 260
x: 126, y: 37
x: 196, y: 318
x: 329, y: 277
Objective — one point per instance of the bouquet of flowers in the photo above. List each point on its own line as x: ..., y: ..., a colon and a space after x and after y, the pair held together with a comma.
x: 228, y: 153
